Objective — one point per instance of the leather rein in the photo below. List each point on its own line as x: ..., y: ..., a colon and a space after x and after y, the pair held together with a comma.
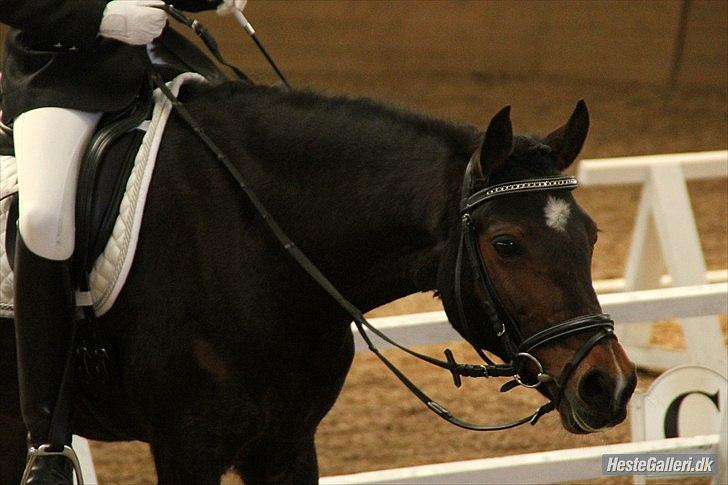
x: 519, y: 350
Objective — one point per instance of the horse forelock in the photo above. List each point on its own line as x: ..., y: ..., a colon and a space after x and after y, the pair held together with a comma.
x: 530, y: 158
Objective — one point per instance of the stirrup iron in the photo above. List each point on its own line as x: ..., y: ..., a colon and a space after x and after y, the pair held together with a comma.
x: 44, y: 450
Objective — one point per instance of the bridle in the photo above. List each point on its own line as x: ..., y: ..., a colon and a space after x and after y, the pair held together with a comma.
x: 518, y: 349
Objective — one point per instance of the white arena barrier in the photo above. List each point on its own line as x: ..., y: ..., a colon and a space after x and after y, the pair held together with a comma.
x: 545, y: 467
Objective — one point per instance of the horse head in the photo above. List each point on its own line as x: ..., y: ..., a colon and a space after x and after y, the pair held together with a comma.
x: 522, y: 266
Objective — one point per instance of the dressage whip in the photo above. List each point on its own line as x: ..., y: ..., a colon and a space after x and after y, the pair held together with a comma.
x: 238, y: 14
x: 211, y: 43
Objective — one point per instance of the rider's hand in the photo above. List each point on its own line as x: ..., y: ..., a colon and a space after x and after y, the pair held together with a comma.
x: 227, y: 6
x: 135, y: 22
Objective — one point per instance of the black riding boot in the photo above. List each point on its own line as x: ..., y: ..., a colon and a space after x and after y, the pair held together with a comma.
x: 44, y: 311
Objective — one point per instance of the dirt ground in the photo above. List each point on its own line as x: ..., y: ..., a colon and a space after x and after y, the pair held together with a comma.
x: 376, y: 424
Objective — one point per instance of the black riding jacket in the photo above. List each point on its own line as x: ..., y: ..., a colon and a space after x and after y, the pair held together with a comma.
x: 55, y: 57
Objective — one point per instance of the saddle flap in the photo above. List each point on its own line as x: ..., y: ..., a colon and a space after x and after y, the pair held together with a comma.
x: 101, y: 185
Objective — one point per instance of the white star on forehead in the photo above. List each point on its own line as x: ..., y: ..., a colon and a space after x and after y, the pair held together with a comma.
x: 557, y: 213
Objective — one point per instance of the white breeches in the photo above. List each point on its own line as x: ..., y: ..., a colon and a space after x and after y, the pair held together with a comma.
x: 49, y: 144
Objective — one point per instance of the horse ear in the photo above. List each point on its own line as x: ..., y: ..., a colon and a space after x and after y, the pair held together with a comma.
x: 496, y: 145
x: 566, y: 142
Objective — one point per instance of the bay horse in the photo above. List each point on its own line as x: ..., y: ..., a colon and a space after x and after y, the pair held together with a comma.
x: 227, y: 352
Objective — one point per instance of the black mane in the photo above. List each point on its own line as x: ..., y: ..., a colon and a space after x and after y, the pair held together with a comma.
x: 291, y: 126
x: 304, y: 128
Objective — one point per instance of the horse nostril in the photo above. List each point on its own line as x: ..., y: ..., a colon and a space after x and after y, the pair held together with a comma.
x: 595, y: 389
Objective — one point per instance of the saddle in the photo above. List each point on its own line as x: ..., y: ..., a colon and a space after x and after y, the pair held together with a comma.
x: 110, y: 157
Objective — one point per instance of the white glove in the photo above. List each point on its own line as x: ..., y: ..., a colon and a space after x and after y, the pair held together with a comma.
x: 226, y: 7
x: 134, y: 22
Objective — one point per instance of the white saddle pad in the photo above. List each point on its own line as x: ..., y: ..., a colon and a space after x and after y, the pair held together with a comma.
x: 112, y: 266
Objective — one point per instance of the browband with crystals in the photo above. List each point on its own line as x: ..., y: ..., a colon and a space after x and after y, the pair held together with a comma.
x: 531, y: 185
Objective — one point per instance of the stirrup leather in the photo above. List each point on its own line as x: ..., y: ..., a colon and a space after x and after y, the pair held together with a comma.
x: 44, y: 450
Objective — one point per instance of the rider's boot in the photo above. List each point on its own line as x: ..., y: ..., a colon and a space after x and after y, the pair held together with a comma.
x: 44, y: 312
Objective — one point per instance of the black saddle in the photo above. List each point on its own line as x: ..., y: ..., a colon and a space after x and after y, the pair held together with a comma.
x: 110, y: 155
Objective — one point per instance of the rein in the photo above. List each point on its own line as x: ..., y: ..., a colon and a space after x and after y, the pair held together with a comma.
x: 504, y: 326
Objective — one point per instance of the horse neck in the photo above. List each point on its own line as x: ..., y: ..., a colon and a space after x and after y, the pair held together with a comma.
x: 370, y: 197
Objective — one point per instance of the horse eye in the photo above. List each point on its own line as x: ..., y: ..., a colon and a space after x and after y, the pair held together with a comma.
x: 506, y: 246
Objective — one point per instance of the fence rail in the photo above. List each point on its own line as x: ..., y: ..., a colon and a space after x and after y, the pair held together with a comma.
x: 543, y: 467
x: 632, y: 170
x: 625, y: 307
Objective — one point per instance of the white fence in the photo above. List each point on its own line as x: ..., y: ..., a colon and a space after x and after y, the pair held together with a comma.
x: 545, y: 467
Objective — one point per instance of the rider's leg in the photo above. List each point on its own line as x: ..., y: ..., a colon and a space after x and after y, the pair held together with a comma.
x: 49, y: 144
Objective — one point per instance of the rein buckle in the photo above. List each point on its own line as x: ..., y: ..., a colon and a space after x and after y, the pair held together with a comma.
x: 453, y: 363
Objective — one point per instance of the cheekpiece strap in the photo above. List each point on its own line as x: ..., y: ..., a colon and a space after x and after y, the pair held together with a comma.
x: 557, y: 182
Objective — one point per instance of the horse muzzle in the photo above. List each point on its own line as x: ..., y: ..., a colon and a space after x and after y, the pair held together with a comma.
x: 597, y: 396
